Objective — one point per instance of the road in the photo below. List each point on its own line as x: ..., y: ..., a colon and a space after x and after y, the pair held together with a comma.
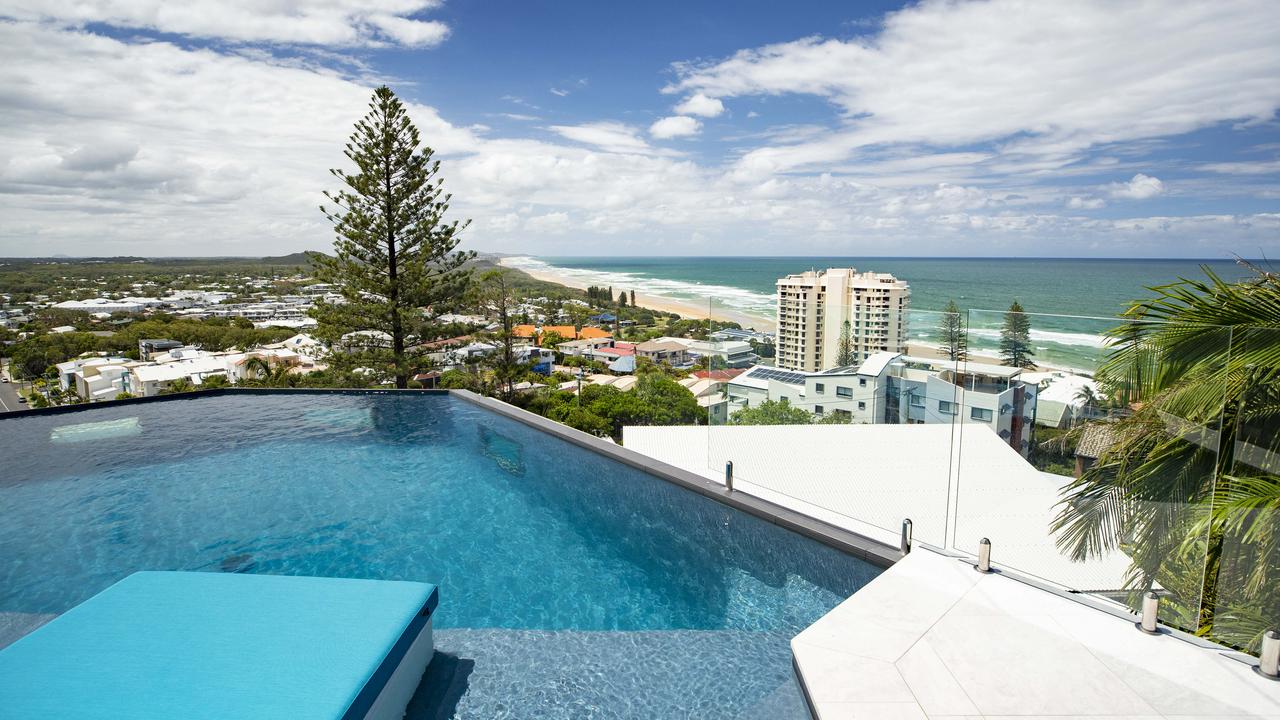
x: 9, y: 397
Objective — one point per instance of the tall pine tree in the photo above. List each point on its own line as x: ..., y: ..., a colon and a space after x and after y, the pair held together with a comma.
x: 844, y: 345
x: 394, y: 252
x: 1015, y: 338
x: 955, y: 337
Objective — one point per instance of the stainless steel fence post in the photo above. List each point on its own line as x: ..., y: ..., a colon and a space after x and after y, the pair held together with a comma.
x: 905, y: 544
x: 1269, y: 657
x: 728, y: 476
x: 984, y: 556
x: 1150, y: 613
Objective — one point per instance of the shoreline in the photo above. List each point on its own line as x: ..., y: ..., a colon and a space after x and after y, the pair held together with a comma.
x: 702, y: 311
x: 684, y: 308
x: 935, y: 353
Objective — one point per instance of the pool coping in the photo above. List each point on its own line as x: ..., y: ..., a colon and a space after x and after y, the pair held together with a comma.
x: 864, y: 548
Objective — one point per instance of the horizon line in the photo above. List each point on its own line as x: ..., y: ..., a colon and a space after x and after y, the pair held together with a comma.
x: 691, y: 257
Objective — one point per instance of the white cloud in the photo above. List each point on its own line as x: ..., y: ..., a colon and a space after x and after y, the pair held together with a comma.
x: 188, y: 150
x: 1257, y: 167
x: 411, y: 33
x: 612, y: 137
x: 128, y: 146
x: 311, y: 22
x: 1085, y: 202
x: 1051, y: 80
x: 559, y: 92
x: 675, y: 126
x: 701, y: 105
x: 1140, y: 187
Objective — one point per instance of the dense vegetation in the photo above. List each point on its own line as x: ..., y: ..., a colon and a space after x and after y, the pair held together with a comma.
x: 603, y: 410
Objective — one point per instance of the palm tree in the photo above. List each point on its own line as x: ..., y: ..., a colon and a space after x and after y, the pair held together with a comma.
x: 1189, y: 490
x: 180, y: 385
x: 1088, y: 399
x: 261, y: 371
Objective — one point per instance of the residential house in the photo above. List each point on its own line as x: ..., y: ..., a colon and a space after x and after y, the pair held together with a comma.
x: 665, y: 351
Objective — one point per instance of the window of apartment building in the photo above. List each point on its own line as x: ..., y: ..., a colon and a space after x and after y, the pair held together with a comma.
x: 817, y: 409
x: 844, y: 392
x: 862, y: 382
x: 980, y: 414
x: 946, y: 408
x: 818, y: 387
x: 917, y: 401
x: 862, y: 405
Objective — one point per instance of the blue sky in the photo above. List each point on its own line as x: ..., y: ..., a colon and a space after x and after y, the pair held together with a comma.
x: 996, y: 127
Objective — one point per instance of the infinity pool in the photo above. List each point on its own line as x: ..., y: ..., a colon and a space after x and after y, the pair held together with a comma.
x: 571, y: 585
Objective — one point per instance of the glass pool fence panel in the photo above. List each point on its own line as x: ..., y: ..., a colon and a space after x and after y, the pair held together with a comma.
x: 1240, y: 598
x: 788, y: 425
x: 1075, y: 464
x: 727, y: 351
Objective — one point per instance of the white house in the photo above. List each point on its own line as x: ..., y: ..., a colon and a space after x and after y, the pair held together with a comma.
x: 731, y: 353
x: 95, y: 378
x: 899, y: 389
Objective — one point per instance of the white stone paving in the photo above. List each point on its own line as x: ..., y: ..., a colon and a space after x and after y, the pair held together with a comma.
x: 933, y: 638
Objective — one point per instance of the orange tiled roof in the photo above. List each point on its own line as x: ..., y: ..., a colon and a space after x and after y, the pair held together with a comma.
x: 523, y: 331
x: 589, y: 333
x: 568, y: 332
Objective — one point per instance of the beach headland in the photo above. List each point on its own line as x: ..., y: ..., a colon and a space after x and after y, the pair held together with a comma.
x: 680, y: 306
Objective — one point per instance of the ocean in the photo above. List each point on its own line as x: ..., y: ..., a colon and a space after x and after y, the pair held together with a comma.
x: 1073, y: 301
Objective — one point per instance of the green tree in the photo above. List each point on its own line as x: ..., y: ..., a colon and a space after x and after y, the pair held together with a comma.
x: 394, y: 252
x: 1198, y: 368
x: 459, y: 380
x: 1015, y: 338
x: 213, y: 382
x: 495, y: 293
x: 955, y: 336
x: 844, y: 346
x: 772, y: 412
x: 180, y: 385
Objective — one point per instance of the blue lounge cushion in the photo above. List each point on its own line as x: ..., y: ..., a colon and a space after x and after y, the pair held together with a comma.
x: 216, y: 645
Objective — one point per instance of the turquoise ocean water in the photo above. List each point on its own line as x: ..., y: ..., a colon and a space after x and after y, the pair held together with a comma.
x: 1094, y: 290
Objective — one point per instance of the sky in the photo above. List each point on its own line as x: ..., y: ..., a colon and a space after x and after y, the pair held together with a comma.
x: 989, y: 128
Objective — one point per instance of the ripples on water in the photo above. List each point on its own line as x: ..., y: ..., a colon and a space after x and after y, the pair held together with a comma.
x: 552, y: 561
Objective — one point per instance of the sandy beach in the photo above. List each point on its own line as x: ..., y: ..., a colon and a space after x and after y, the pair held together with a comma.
x: 679, y: 306
x: 935, y: 353
x: 701, y: 311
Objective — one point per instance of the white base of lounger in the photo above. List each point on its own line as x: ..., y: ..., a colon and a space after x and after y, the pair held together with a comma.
x: 395, y: 696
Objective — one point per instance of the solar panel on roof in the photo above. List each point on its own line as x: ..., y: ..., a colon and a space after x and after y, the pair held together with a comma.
x: 790, y: 378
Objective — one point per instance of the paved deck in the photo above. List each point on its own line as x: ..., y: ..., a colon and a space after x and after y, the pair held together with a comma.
x: 933, y: 638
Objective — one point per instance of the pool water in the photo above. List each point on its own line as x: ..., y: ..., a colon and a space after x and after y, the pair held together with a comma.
x: 571, y: 585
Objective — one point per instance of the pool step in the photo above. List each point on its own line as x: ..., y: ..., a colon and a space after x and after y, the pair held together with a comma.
x: 14, y: 625
x: 707, y: 674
